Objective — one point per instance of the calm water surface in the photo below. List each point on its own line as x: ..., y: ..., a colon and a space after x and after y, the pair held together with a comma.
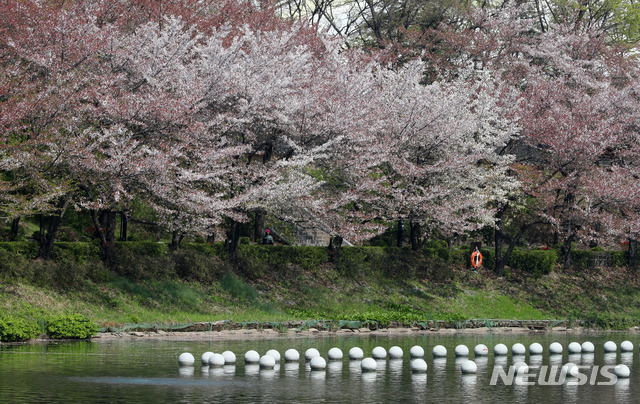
x: 147, y: 371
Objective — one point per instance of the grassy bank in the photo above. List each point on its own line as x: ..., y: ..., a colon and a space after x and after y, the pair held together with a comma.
x: 151, y: 284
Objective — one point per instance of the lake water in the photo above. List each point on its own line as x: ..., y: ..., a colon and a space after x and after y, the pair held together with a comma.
x: 147, y: 371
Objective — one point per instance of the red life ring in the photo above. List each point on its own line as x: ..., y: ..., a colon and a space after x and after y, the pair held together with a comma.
x: 476, y: 259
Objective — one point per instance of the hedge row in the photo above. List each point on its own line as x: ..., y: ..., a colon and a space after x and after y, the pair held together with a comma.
x: 204, y: 262
x: 64, y: 326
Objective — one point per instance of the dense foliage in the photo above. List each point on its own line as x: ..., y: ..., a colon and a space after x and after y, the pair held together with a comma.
x: 457, y: 119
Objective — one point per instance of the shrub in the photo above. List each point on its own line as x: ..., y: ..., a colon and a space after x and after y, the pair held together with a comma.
x: 144, y: 260
x: 536, y: 262
x: 71, y: 326
x: 196, y: 266
x: 257, y: 260
x: 76, y: 251
x: 17, y: 329
x: 27, y: 249
x: 215, y: 249
x: 488, y: 258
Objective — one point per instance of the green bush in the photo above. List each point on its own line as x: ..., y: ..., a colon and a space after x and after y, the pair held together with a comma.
x: 195, y: 266
x: 619, y: 258
x: 214, y: 249
x: 27, y: 249
x: 258, y: 260
x: 71, y: 326
x: 76, y: 251
x: 144, y: 260
x: 536, y: 262
x: 14, y: 266
x: 488, y: 257
x: 17, y: 329
x: 580, y: 258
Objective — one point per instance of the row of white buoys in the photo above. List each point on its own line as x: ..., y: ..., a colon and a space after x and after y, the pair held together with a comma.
x: 395, y: 352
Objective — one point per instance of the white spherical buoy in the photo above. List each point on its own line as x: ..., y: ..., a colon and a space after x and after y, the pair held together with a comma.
x: 267, y: 362
x: 416, y: 351
x: 468, y: 367
x: 318, y: 363
x: 229, y: 357
x: 395, y: 352
x: 535, y: 349
x: 500, y: 350
x: 521, y: 367
x: 439, y: 351
x: 275, y: 354
x: 418, y: 365
x: 588, y: 347
x: 251, y: 357
x: 518, y: 349
x: 311, y: 353
x: 356, y: 353
x: 570, y: 369
x: 461, y: 350
x: 335, y: 354
x: 368, y: 365
x: 610, y: 346
x: 216, y: 360
x: 574, y: 347
x: 291, y: 355
x: 626, y: 346
x: 555, y: 348
x: 205, y: 358
x: 481, y: 350
x: 379, y: 353
x: 186, y: 359
x: 621, y: 371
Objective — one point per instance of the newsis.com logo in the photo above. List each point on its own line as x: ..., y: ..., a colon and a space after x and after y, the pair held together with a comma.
x: 571, y: 374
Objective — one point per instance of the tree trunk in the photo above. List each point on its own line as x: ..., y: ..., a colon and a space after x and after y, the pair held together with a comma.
x: 258, y: 226
x: 400, y: 233
x: 105, y: 224
x: 498, y: 240
x: 415, y: 235
x: 566, y: 251
x: 633, y: 253
x: 15, y: 227
x: 335, y: 244
x: 233, y: 237
x: 124, y: 221
x: 176, y: 239
x: 46, y: 240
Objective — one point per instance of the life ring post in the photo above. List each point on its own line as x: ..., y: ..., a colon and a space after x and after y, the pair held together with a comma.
x: 476, y: 255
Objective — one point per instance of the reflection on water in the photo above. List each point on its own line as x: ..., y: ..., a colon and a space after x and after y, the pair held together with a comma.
x: 419, y: 384
x: 610, y: 358
x: 588, y: 358
x: 626, y: 358
x: 186, y: 371
x: 143, y: 371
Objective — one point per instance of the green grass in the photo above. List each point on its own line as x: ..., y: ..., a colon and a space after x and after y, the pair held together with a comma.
x: 298, y: 288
